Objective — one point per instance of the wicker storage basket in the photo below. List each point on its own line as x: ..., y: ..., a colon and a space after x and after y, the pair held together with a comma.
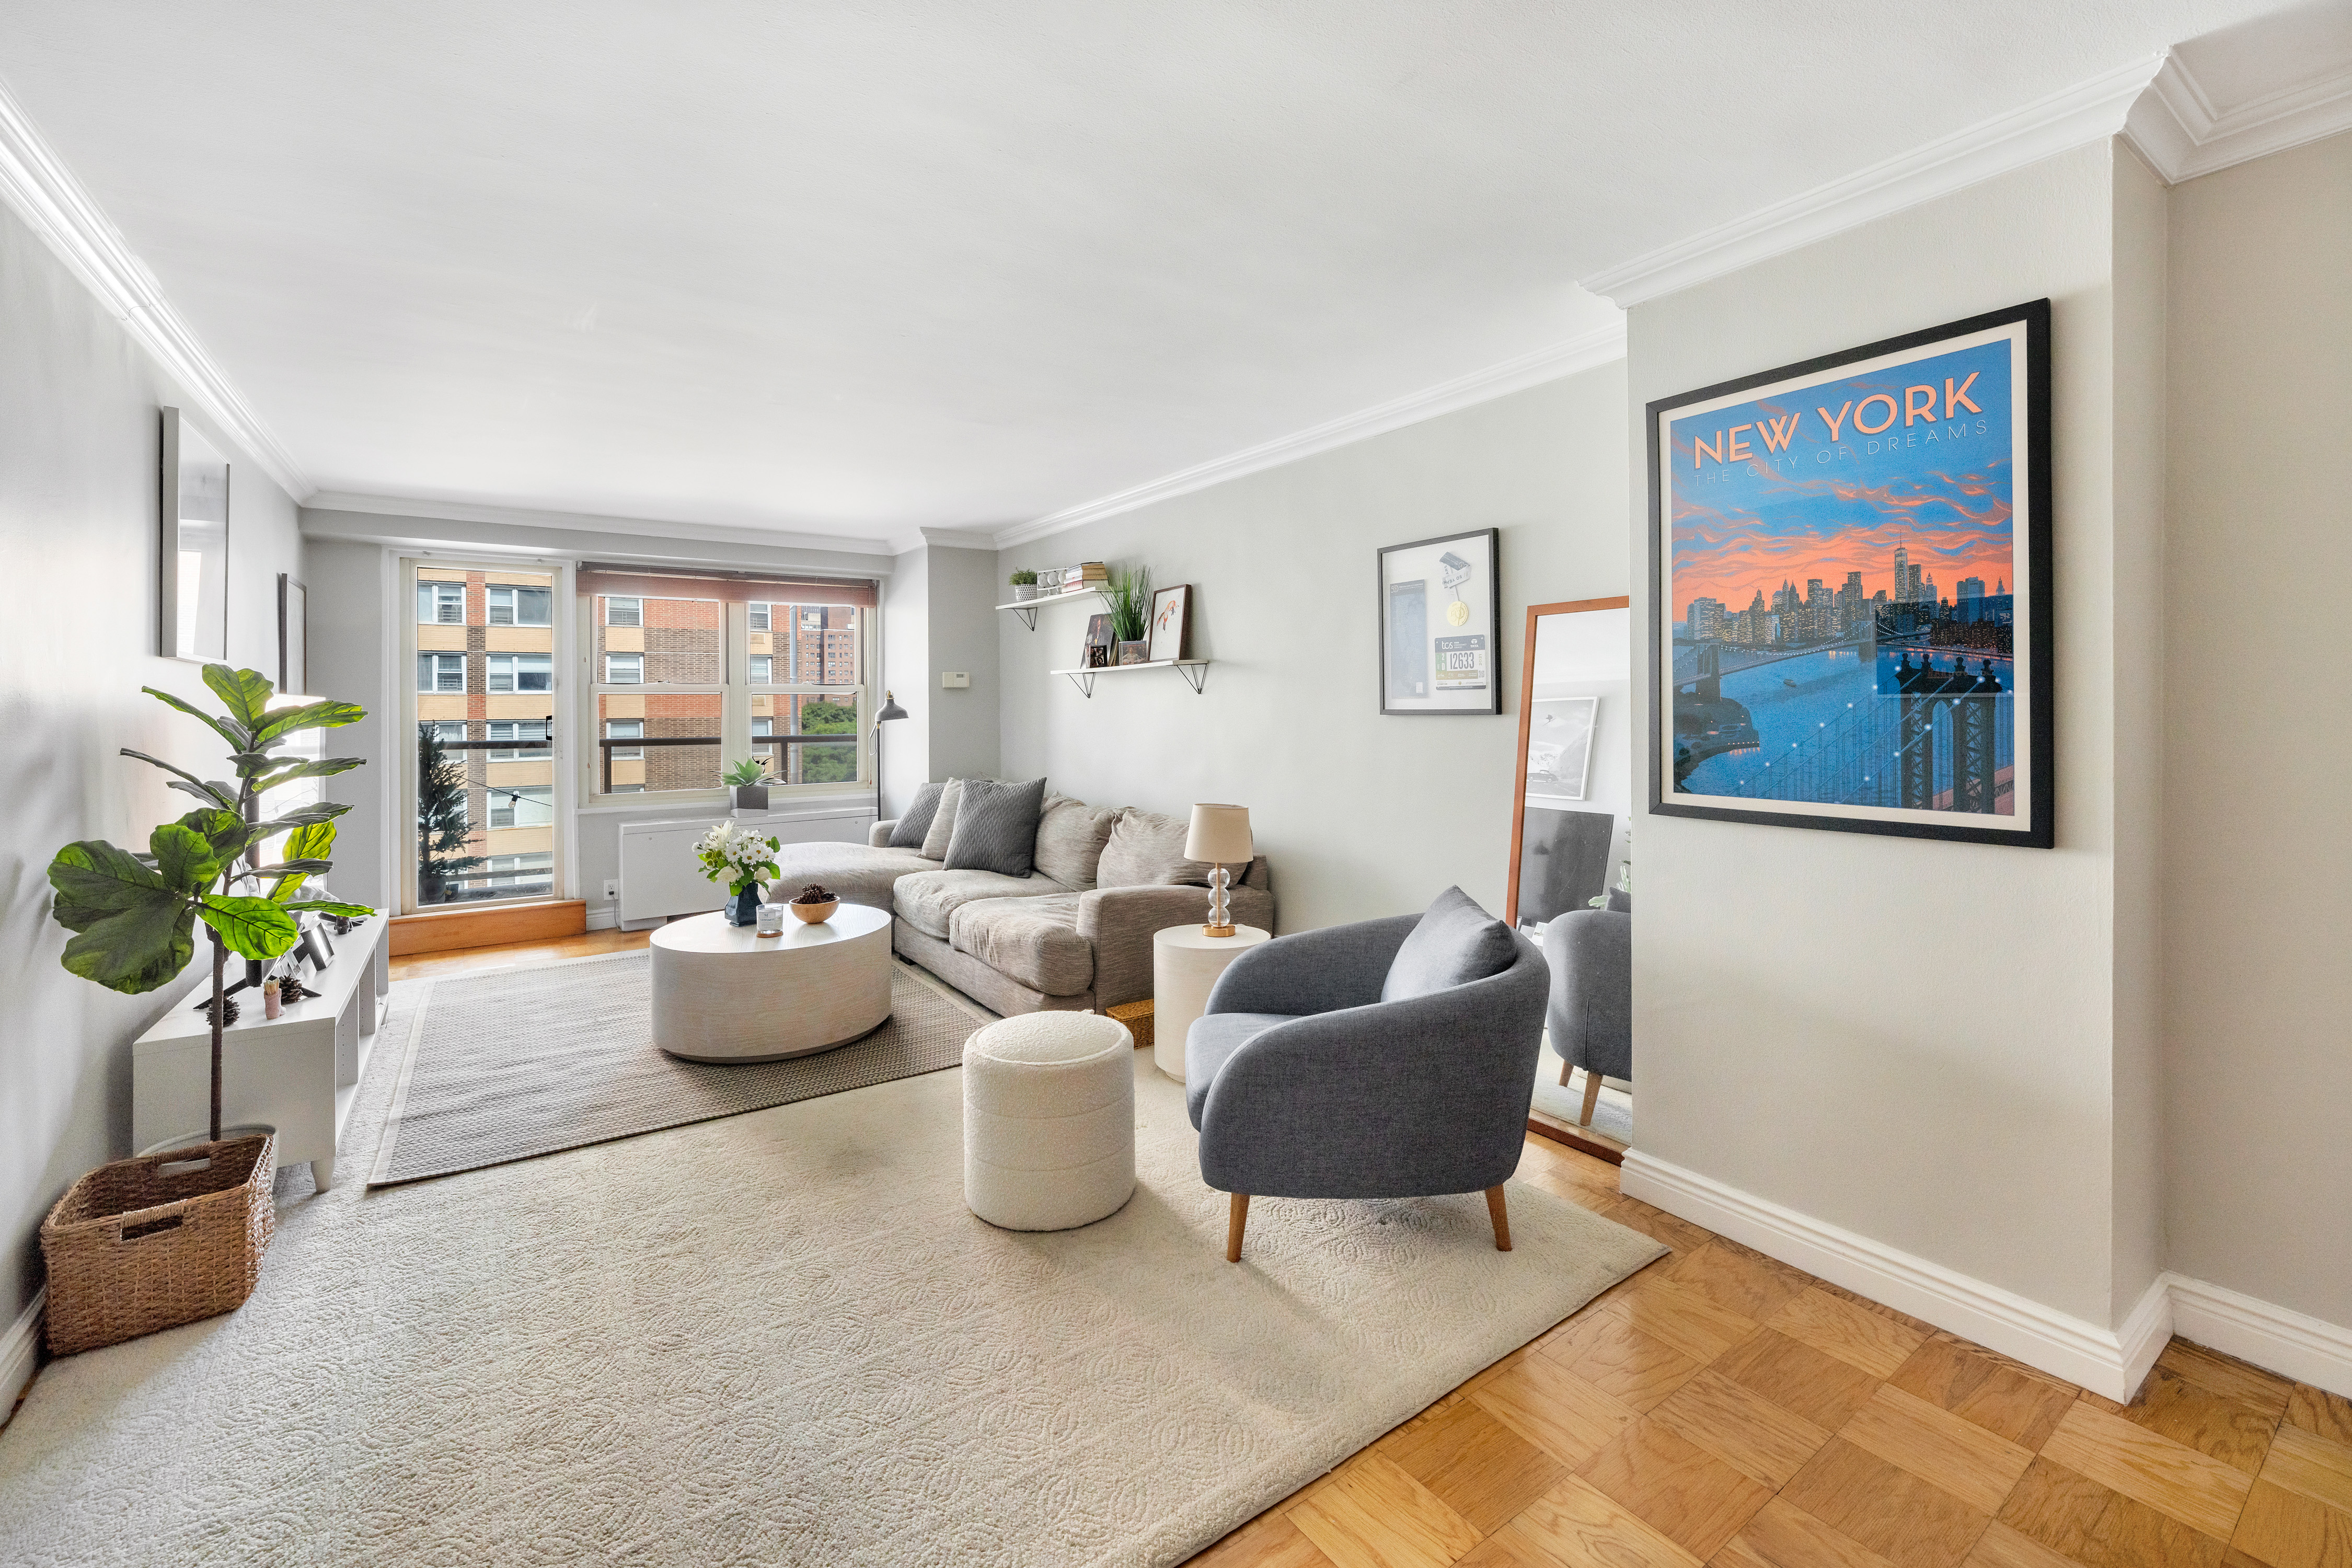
x: 146, y: 1244
x: 1136, y: 1016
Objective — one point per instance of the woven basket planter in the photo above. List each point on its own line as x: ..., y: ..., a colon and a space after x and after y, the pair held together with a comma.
x: 151, y: 1242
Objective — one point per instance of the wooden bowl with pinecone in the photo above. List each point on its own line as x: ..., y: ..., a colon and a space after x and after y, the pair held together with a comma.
x: 814, y: 903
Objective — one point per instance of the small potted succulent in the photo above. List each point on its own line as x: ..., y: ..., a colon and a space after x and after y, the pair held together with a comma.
x: 814, y: 904
x: 747, y: 784
x: 1025, y: 584
x: 738, y: 857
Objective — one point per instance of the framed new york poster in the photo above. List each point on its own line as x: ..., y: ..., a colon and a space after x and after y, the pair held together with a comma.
x: 1850, y: 610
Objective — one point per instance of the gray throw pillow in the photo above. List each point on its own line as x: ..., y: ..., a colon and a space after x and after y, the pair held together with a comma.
x: 1147, y: 850
x: 1456, y: 943
x: 936, y: 837
x: 996, y: 826
x: 1070, y: 838
x: 908, y: 832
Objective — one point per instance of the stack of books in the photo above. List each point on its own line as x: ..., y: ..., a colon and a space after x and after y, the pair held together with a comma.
x: 1070, y: 579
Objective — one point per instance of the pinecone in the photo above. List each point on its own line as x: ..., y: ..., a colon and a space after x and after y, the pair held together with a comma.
x: 815, y: 893
x: 228, y: 1010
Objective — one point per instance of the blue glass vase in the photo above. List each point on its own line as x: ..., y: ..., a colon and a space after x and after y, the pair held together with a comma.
x: 744, y: 909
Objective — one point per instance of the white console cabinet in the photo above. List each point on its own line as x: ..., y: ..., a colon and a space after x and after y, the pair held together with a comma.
x: 298, y: 1072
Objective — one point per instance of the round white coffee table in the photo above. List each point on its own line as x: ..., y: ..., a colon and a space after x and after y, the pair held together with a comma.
x: 724, y: 993
x: 1184, y: 966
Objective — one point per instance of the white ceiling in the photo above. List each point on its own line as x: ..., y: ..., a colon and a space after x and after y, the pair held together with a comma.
x: 851, y: 269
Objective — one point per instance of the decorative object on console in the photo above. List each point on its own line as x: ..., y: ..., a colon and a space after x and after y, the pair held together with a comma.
x: 316, y: 946
x: 191, y: 591
x: 738, y: 857
x: 814, y: 904
x: 1171, y: 622
x: 272, y: 1004
x: 747, y: 784
x: 1221, y: 836
x: 1877, y: 699
x: 1438, y: 598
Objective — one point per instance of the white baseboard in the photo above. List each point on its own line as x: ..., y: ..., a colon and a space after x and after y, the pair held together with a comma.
x: 20, y: 1351
x: 2308, y: 1349
x: 600, y: 916
x: 2110, y: 1361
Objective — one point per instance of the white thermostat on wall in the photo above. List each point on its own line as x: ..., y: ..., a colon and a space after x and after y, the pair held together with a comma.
x: 955, y: 680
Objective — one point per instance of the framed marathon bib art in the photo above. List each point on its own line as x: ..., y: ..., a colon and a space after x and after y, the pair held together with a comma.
x: 1850, y: 610
x: 1438, y: 600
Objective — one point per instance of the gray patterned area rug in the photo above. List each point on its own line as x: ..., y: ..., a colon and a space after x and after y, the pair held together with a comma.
x: 514, y: 1063
x: 776, y: 1338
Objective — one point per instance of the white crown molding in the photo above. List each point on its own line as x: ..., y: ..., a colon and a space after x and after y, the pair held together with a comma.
x: 2175, y: 127
x: 954, y: 537
x: 2288, y: 1343
x: 2084, y: 112
x: 591, y: 523
x: 2109, y: 1362
x: 1531, y: 368
x: 41, y: 189
x: 20, y: 1351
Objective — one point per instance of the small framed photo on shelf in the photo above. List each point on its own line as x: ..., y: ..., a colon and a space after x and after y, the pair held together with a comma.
x: 1438, y: 600
x: 1099, y: 643
x: 1171, y: 622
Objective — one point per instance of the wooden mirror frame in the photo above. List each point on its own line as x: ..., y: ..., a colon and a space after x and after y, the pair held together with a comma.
x: 1527, y: 719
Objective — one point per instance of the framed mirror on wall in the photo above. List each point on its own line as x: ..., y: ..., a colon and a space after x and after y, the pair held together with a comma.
x: 191, y: 565
x: 1570, y: 887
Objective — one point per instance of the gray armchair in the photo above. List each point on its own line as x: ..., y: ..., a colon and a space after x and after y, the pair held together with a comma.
x: 1592, y: 1010
x: 1305, y: 1084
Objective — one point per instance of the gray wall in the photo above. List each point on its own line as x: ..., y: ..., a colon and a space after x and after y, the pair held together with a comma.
x: 965, y: 589
x: 77, y: 530
x: 1361, y: 815
x: 1963, y: 1092
x: 2257, y: 994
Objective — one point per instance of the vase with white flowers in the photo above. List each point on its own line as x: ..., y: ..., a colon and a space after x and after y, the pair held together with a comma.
x: 739, y: 857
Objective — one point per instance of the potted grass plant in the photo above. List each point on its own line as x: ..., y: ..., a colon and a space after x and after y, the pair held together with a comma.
x: 1128, y: 594
x: 147, y: 1243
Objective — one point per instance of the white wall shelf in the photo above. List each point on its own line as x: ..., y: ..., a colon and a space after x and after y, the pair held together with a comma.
x: 1195, y: 672
x: 1027, y: 608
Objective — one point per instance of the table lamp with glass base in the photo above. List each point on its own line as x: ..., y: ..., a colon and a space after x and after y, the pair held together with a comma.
x: 1221, y: 836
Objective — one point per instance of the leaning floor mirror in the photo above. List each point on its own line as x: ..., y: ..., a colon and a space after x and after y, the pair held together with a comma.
x: 1571, y: 872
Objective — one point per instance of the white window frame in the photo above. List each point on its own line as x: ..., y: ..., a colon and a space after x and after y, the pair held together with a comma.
x: 436, y: 689
x: 612, y: 680
x: 514, y: 674
x: 439, y: 591
x: 637, y: 620
x: 514, y: 592
x: 735, y: 708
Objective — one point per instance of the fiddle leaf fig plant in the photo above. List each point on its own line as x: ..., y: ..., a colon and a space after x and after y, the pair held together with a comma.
x: 135, y: 916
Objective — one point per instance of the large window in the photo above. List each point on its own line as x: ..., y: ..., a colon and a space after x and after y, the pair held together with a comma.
x: 692, y: 680
x: 516, y: 672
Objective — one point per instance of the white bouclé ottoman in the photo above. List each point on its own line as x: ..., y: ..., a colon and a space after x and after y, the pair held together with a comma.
x: 1048, y: 1121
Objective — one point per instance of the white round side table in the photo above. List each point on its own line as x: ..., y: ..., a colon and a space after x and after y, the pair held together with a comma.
x: 724, y: 993
x: 1184, y: 966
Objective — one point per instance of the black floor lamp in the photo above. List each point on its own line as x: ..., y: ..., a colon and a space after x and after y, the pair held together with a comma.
x: 890, y: 710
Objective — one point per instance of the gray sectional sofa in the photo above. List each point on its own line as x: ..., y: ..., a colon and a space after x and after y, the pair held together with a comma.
x: 1075, y: 934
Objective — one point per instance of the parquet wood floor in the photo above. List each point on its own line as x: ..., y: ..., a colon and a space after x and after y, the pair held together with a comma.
x: 1725, y: 1410
x: 1720, y: 1408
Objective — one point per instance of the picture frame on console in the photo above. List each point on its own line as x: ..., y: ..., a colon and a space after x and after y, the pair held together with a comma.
x: 1851, y: 615
x: 1439, y: 601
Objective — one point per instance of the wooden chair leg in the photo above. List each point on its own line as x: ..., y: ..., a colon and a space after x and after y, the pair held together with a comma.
x: 1591, y: 1097
x: 1501, y: 1217
x: 1565, y: 1068
x: 1237, y: 1216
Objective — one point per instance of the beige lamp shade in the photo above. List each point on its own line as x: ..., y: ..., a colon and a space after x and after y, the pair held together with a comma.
x: 1220, y: 834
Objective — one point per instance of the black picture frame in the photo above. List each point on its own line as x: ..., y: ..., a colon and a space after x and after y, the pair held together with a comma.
x: 1415, y: 657
x: 293, y: 634
x: 1911, y: 771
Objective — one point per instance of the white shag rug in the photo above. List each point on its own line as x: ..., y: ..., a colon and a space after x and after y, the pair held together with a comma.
x: 778, y: 1338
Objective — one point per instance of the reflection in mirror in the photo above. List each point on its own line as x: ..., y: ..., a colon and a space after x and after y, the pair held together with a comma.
x: 1571, y: 876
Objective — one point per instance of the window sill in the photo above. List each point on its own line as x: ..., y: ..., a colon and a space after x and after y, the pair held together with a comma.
x: 707, y: 803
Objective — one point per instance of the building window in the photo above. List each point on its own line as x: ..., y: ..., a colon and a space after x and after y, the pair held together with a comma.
x: 448, y: 730
x: 759, y: 618
x: 531, y: 806
x: 442, y: 672
x: 627, y: 730
x: 625, y: 669
x: 624, y: 611
x: 760, y: 665
x: 519, y: 730
x: 519, y: 672
x: 441, y: 604
x: 514, y: 605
